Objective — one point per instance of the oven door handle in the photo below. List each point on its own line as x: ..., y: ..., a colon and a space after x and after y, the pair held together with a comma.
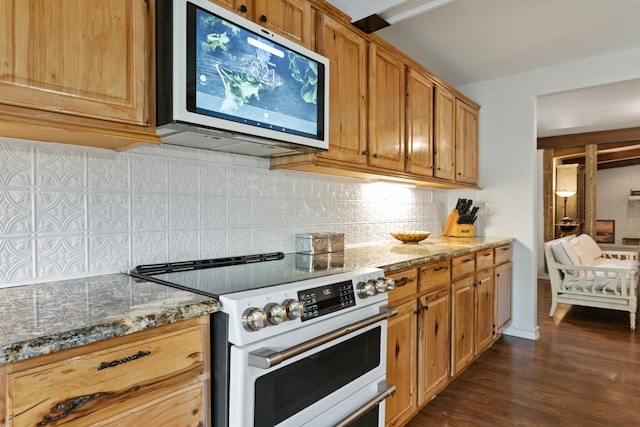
x: 386, y: 389
x: 265, y: 358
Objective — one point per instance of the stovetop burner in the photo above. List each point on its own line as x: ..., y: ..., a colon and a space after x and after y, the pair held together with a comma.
x: 221, y: 276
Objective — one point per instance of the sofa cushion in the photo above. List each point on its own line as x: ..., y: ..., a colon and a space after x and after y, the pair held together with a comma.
x: 587, y: 248
x: 571, y: 252
x: 560, y: 254
x: 629, y: 264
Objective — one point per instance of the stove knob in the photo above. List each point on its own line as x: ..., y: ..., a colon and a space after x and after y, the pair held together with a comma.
x: 295, y: 309
x: 384, y: 285
x: 366, y: 289
x: 254, y: 319
x: 276, y: 313
x: 381, y: 285
x: 391, y: 284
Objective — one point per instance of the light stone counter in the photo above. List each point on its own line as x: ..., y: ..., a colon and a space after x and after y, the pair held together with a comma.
x: 396, y: 255
x: 44, y: 318
x: 48, y: 317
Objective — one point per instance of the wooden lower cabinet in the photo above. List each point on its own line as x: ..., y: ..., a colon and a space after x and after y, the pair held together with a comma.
x: 449, y: 312
x: 502, y: 289
x: 484, y: 300
x: 433, y: 344
x: 159, y: 375
x: 402, y: 336
x: 462, y: 324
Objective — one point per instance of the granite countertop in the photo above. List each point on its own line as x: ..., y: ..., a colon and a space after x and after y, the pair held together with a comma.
x: 44, y: 318
x: 392, y: 256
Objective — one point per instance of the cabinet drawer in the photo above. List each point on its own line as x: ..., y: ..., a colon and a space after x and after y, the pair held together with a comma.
x: 435, y: 275
x: 503, y: 253
x: 484, y: 259
x: 406, y: 284
x: 120, y: 375
x: 183, y: 407
x: 463, y: 265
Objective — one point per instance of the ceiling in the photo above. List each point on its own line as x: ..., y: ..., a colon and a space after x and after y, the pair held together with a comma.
x: 468, y: 41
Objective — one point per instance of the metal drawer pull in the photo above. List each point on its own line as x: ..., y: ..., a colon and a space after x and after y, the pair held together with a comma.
x: 467, y: 260
x: 401, y: 281
x: 440, y: 268
x: 266, y: 358
x: 386, y: 391
x: 138, y: 355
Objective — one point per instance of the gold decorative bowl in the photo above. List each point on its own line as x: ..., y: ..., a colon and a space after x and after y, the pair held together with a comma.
x: 410, y: 236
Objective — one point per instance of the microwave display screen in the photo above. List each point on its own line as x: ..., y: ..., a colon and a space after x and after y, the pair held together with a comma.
x: 235, y: 74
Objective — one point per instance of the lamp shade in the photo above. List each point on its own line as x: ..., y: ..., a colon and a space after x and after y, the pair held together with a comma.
x: 565, y: 193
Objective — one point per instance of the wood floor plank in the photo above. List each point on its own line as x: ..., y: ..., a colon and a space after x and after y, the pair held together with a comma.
x: 583, y: 371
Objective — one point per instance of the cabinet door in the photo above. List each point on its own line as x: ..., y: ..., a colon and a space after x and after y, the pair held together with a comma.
x: 237, y: 6
x: 419, y: 124
x: 386, y: 110
x: 444, y: 117
x: 289, y: 18
x: 466, y: 143
x: 401, y: 364
x: 502, y: 283
x: 347, y: 53
x: 484, y: 310
x: 462, y: 324
x: 433, y: 344
x: 75, y: 65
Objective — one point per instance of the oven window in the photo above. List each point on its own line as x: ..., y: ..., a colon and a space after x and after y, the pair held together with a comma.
x: 370, y: 419
x: 286, y: 391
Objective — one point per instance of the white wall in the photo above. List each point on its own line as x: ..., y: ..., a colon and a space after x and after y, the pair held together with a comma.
x: 613, y: 202
x: 69, y: 211
x: 511, y: 168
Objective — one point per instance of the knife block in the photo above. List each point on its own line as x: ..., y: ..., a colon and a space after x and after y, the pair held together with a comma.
x: 453, y: 229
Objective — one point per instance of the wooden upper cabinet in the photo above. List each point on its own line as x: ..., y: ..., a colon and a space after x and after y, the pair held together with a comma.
x: 238, y: 6
x: 289, y: 18
x: 386, y: 109
x: 347, y: 53
x: 75, y: 71
x: 419, y: 123
x: 466, y: 143
x: 444, y: 121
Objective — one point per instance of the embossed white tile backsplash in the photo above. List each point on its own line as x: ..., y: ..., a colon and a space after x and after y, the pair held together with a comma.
x: 69, y: 211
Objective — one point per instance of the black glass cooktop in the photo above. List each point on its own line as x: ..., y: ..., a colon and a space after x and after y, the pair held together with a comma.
x: 215, y: 277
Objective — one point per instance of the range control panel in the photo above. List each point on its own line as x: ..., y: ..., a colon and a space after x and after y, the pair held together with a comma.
x: 327, y: 299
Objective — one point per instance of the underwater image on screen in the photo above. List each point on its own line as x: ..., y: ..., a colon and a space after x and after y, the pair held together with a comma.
x: 245, y: 78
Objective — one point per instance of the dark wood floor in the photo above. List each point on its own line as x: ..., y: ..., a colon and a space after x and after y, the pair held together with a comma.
x: 583, y: 371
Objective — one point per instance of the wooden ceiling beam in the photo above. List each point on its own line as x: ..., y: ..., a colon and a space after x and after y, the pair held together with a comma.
x: 628, y: 136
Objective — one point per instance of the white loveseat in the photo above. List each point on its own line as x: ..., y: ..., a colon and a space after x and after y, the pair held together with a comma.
x: 581, y: 273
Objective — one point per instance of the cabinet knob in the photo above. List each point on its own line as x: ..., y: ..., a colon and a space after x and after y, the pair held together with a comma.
x: 365, y: 152
x: 263, y: 18
x: 375, y: 155
x: 243, y: 8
